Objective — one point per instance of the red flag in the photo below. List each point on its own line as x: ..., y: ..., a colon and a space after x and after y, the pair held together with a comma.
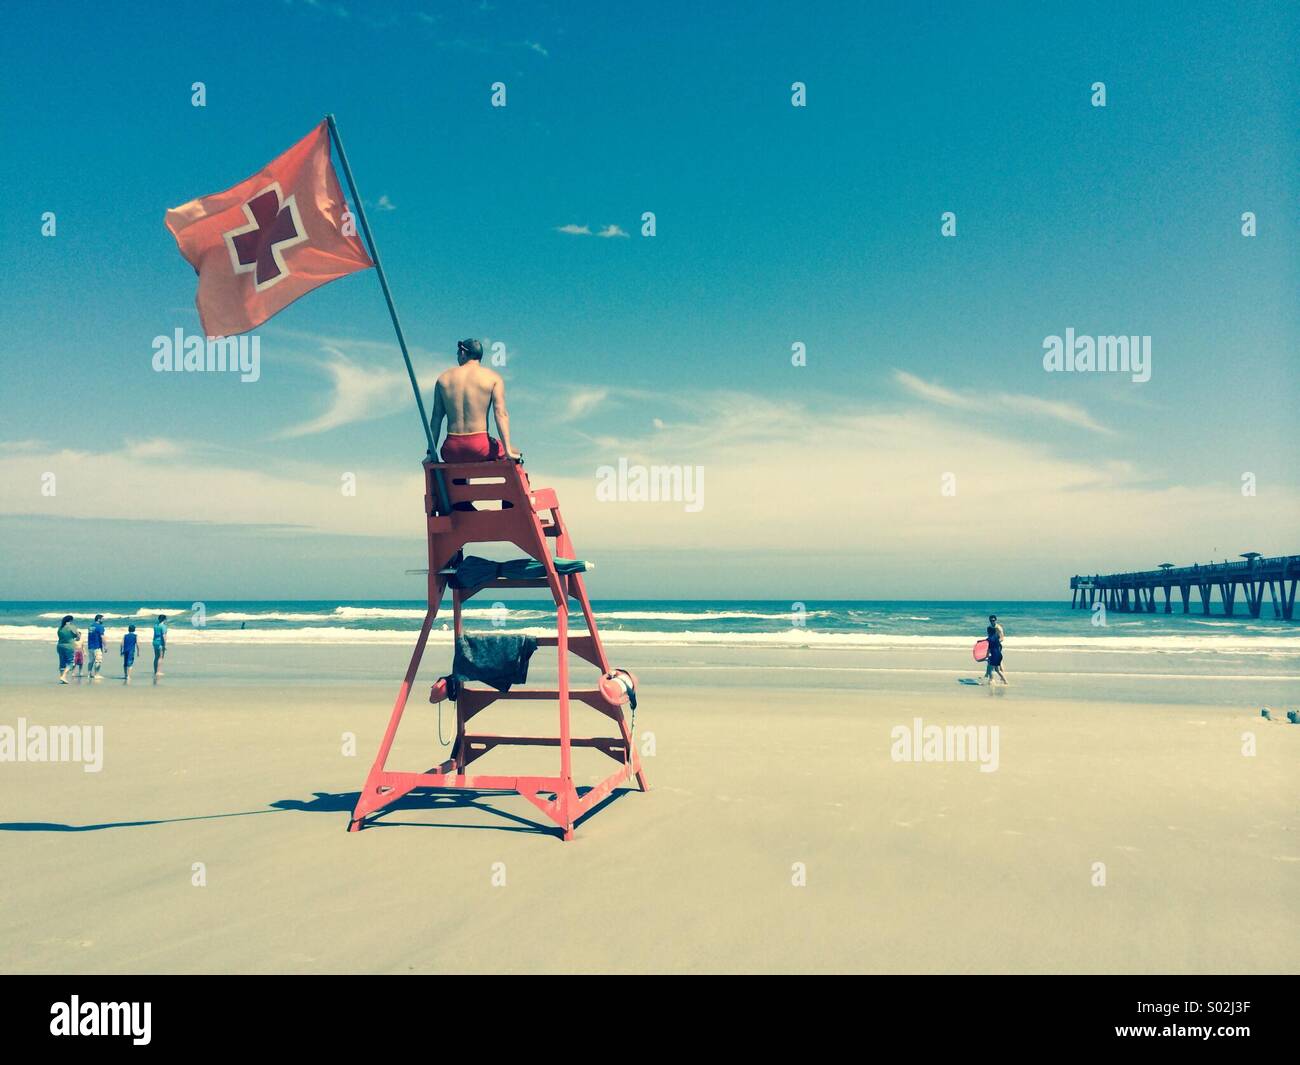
x: 270, y: 239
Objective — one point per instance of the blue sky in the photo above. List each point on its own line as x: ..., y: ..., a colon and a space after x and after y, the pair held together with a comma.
x: 775, y: 224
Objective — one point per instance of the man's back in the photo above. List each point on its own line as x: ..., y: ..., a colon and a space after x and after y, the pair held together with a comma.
x: 462, y: 397
x: 466, y: 393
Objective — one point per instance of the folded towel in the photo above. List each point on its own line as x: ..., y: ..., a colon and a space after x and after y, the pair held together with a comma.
x: 498, y: 660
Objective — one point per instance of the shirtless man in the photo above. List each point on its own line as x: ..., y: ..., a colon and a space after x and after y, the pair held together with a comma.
x: 462, y: 397
x: 995, y: 636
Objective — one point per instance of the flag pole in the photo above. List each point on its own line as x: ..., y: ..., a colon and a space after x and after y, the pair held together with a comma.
x: 383, y: 279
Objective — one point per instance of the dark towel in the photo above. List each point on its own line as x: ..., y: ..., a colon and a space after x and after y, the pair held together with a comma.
x: 496, y: 660
x: 474, y: 572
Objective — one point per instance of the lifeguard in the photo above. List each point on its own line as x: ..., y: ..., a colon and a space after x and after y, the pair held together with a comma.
x: 462, y: 396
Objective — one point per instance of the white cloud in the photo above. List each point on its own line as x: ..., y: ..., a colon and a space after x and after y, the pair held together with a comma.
x: 23, y: 445
x: 795, y: 478
x: 154, y: 448
x: 1006, y: 403
x: 930, y: 391
x: 610, y: 230
x: 1062, y: 412
x: 818, y: 484
x: 537, y: 48
x: 359, y: 394
x: 582, y: 400
x: 117, y: 485
x: 385, y: 204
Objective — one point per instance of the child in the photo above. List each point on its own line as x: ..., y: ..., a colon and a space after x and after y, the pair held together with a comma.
x: 129, y: 642
x: 79, y: 658
x: 95, y: 645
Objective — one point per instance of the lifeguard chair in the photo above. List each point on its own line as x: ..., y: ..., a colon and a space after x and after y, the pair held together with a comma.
x: 486, y: 502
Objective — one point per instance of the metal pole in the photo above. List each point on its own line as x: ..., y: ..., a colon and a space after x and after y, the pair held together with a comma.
x: 383, y: 279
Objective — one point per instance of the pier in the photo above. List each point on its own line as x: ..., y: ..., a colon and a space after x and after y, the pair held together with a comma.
x: 1253, y: 576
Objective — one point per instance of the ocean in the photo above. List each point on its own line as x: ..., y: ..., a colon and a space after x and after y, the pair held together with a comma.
x: 830, y: 624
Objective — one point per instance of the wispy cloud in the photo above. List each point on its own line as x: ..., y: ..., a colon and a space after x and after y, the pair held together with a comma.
x: 335, y: 9
x: 359, y: 393
x: 1004, y: 402
x: 385, y: 204
x: 1062, y: 412
x: 22, y: 446
x: 537, y: 48
x: 583, y: 400
x: 384, y: 348
x: 930, y: 391
x: 156, y: 447
x: 610, y: 230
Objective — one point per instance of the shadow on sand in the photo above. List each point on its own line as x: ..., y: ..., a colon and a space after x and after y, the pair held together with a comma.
x: 343, y: 803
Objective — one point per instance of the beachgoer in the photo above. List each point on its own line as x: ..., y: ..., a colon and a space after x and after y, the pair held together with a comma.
x: 95, y: 644
x: 462, y: 396
x: 995, y: 636
x: 68, y: 637
x: 129, y: 643
x: 79, y: 658
x: 159, y: 643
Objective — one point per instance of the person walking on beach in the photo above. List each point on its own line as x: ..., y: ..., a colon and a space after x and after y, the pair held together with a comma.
x: 79, y: 658
x: 68, y: 637
x: 95, y: 644
x: 462, y: 396
x: 995, y: 636
x: 129, y: 642
x: 159, y: 643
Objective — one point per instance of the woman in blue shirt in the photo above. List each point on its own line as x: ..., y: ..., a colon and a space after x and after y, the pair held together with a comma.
x: 159, y: 643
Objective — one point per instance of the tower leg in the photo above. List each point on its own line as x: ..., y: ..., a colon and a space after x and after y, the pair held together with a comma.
x: 370, y: 799
x: 567, y: 798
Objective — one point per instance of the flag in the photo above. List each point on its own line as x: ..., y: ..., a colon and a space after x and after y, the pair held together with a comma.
x: 272, y: 238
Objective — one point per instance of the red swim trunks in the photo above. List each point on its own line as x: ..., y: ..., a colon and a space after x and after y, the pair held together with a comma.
x: 470, y: 447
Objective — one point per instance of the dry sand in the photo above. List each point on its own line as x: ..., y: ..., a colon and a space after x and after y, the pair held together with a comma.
x: 910, y: 867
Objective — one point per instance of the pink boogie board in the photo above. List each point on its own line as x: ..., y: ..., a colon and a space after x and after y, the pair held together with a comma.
x: 980, y: 650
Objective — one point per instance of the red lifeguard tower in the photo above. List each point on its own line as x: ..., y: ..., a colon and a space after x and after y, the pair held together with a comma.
x: 487, y: 502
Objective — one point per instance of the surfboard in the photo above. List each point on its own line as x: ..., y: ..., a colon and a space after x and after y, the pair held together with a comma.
x: 967, y: 680
x: 980, y: 650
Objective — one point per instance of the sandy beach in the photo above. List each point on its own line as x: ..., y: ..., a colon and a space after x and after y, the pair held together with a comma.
x: 909, y: 867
